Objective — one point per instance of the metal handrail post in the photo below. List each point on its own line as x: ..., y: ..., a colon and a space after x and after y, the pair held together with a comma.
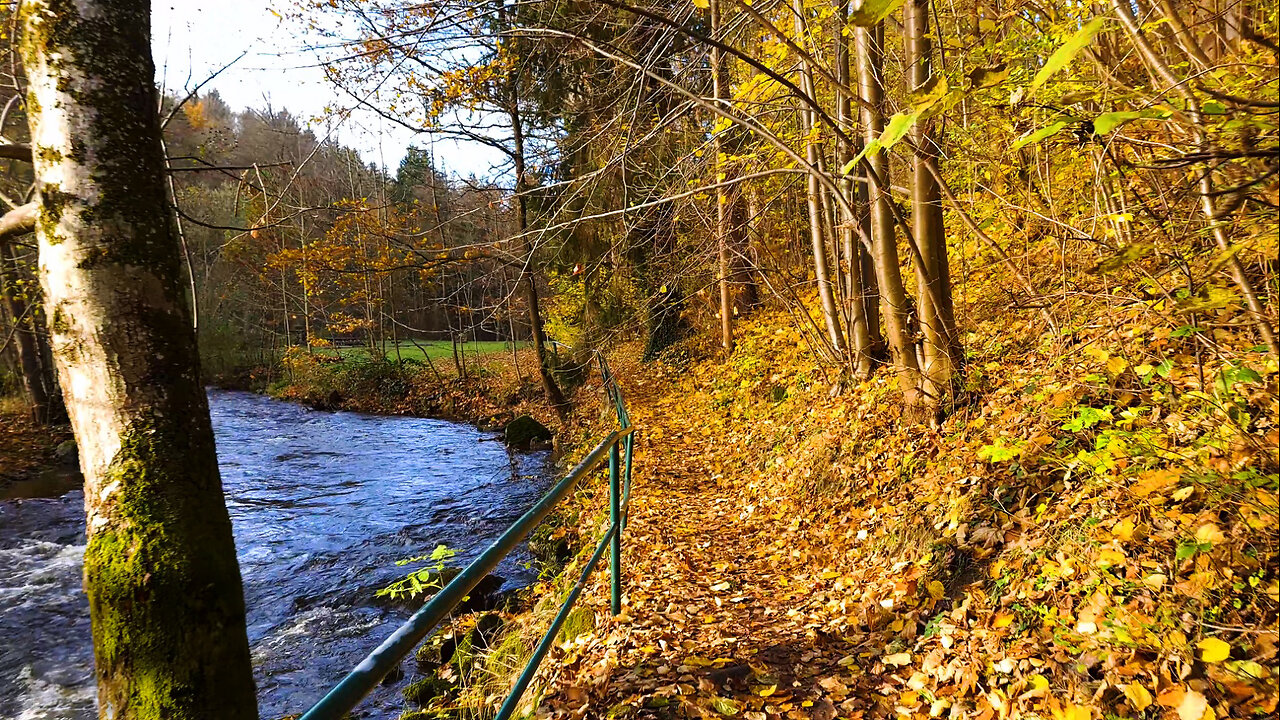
x: 615, y: 520
x: 626, y: 479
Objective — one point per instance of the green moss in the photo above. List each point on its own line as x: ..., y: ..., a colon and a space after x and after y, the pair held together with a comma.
x: 423, y: 715
x: 421, y: 692
x: 464, y: 657
x: 161, y: 578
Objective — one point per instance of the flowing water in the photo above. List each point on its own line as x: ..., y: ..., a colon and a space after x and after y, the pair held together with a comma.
x: 322, y: 505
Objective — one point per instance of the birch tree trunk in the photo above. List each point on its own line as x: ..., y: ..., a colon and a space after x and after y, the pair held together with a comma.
x: 160, y: 568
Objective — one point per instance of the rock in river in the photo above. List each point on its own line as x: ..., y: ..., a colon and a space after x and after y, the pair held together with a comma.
x: 526, y: 433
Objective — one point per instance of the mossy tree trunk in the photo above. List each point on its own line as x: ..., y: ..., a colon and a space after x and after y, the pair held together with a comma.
x: 160, y: 569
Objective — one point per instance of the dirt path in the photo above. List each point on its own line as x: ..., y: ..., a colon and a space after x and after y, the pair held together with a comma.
x: 711, y: 625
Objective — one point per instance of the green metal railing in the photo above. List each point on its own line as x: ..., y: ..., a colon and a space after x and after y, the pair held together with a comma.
x: 616, y: 451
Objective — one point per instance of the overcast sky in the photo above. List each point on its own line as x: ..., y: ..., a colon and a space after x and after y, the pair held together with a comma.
x: 191, y: 39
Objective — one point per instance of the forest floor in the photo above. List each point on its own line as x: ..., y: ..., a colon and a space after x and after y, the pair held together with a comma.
x: 710, y: 622
x: 1090, y: 534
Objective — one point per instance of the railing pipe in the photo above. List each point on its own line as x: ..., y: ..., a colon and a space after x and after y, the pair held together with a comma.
x: 626, y: 493
x: 522, y: 683
x: 615, y: 520
x: 366, y: 676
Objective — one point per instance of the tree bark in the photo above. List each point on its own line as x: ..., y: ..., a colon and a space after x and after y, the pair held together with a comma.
x: 555, y: 398
x: 37, y: 383
x: 821, y: 268
x: 724, y: 209
x: 933, y: 275
x: 884, y: 250
x: 859, y: 329
x: 160, y: 568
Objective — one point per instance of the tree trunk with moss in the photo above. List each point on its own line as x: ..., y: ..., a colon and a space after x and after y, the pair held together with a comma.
x: 160, y: 568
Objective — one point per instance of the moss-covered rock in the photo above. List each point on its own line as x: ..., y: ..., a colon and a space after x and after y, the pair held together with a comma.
x: 478, y: 639
x: 486, y: 630
x: 525, y: 433
x: 549, y: 543
x: 420, y: 692
x: 436, y: 651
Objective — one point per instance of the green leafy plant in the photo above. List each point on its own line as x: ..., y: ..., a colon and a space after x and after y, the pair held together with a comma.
x: 428, y: 577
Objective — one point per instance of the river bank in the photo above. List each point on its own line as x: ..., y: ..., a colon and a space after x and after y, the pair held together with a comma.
x: 496, y: 387
x: 468, y: 663
x: 35, y: 460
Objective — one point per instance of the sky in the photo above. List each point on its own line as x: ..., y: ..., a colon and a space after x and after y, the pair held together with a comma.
x: 192, y: 39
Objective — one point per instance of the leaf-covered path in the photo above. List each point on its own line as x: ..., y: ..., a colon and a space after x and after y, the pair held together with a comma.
x: 803, y: 554
x: 710, y: 625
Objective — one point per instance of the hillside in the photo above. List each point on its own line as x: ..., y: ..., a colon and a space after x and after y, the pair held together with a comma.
x: 1090, y: 532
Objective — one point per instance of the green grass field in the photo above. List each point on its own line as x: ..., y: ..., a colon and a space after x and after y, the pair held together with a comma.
x: 435, y: 349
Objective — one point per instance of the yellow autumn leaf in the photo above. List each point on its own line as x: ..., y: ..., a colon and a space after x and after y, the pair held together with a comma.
x: 1209, y: 533
x: 1003, y: 620
x: 1097, y: 353
x: 1110, y: 558
x: 897, y: 659
x: 1139, y: 697
x: 1123, y: 530
x: 1070, y: 711
x: 936, y: 590
x: 1213, y: 650
x: 1116, y: 365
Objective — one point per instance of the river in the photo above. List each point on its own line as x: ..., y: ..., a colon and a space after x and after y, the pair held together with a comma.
x: 322, y: 505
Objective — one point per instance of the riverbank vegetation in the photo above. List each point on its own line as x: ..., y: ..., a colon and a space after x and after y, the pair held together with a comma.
x: 949, y: 329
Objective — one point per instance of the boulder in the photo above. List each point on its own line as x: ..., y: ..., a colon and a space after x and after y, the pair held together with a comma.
x: 67, y: 454
x: 477, y: 640
x: 436, y: 651
x: 423, y: 691
x: 525, y: 433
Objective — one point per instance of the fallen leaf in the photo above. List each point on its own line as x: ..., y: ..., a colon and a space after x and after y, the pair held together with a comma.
x: 1193, y: 706
x: 1139, y: 697
x: 1213, y: 650
x: 897, y: 659
x: 1210, y: 534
